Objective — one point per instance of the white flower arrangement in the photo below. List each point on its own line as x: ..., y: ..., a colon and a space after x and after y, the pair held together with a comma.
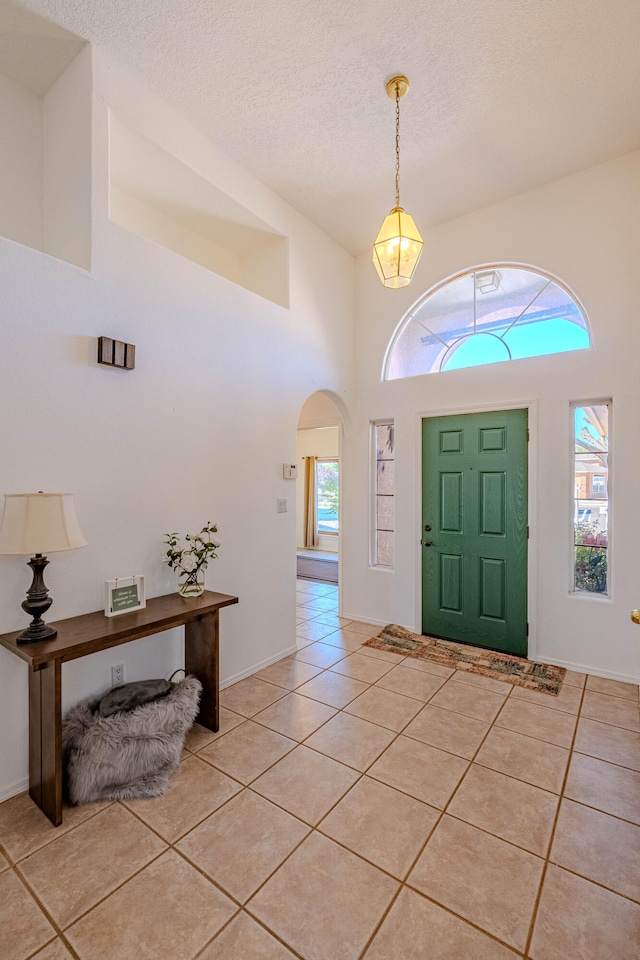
x: 195, y: 554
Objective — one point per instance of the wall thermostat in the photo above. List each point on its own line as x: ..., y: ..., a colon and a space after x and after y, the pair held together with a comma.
x: 289, y: 471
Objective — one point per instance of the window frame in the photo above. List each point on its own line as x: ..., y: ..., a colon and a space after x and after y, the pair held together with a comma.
x: 606, y: 596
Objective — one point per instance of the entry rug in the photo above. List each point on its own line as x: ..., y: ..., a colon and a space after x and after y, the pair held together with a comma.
x: 460, y: 656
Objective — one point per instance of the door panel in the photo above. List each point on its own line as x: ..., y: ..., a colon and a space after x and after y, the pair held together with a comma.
x: 451, y: 583
x: 492, y: 588
x: 451, y: 441
x: 493, y: 504
x: 451, y: 502
x: 475, y: 502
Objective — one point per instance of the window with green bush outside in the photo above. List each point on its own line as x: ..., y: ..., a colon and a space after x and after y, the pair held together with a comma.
x: 591, y: 498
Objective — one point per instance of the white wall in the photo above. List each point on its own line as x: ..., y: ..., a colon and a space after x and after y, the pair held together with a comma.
x: 585, y: 229
x: 319, y: 442
x: 66, y: 139
x: 319, y: 410
x: 198, y: 431
x: 20, y: 163
x: 45, y: 164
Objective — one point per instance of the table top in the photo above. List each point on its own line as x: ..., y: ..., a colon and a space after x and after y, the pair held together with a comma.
x: 90, y: 632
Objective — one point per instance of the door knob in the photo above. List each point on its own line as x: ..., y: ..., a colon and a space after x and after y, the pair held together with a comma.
x: 427, y: 527
x: 428, y: 543
x: 635, y: 616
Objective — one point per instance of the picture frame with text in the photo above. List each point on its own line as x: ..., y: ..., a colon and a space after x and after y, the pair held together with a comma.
x: 124, y: 595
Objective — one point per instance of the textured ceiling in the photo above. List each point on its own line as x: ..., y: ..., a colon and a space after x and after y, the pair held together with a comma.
x: 505, y: 94
x: 33, y: 51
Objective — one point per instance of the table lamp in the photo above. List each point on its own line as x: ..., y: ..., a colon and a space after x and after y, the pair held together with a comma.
x: 38, y: 523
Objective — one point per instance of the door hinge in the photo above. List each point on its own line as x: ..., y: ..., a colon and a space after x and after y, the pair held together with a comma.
x: 528, y: 435
x: 527, y: 629
x: 527, y: 533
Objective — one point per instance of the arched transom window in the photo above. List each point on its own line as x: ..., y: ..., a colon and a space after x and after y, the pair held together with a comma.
x: 487, y: 315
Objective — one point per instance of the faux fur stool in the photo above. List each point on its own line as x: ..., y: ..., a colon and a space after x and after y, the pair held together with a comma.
x: 128, y: 755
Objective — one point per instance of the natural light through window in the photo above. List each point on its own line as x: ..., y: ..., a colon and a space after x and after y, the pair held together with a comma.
x: 489, y: 315
x: 591, y: 497
x: 327, y: 498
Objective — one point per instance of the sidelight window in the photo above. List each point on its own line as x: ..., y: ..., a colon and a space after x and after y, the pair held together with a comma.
x: 383, y: 444
x: 591, y: 424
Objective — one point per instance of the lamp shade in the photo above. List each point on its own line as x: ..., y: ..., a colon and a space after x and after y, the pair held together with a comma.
x: 397, y: 249
x: 39, y: 523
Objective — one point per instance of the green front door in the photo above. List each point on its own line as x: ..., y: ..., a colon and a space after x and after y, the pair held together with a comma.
x: 474, y: 522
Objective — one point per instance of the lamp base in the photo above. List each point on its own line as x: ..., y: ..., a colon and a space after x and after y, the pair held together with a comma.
x: 38, y: 602
x: 35, y: 634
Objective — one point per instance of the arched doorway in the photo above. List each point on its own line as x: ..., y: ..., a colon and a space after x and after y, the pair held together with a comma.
x: 318, y: 514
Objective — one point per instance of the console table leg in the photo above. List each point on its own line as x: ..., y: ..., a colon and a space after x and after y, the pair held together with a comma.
x: 201, y: 640
x: 45, y: 739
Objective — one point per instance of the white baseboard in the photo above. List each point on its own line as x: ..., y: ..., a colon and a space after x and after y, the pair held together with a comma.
x: 581, y: 668
x: 14, y: 789
x: 258, y: 666
x: 374, y: 623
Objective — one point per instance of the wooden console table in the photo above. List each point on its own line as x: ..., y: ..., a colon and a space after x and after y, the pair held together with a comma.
x: 81, y: 636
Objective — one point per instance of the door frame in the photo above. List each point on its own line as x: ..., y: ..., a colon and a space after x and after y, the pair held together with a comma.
x: 532, y: 497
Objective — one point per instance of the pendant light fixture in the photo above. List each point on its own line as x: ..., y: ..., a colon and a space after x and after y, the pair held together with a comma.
x: 398, y: 246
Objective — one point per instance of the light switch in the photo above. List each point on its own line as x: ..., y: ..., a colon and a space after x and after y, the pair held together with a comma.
x: 283, y: 506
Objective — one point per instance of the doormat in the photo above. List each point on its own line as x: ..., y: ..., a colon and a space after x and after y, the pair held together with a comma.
x: 310, y: 568
x: 460, y: 656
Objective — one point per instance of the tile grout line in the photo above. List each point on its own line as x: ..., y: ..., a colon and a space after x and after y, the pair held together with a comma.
x: 224, y: 926
x: 398, y: 733
x: 256, y: 920
x: 445, y: 811
x: 536, y: 905
x: 63, y: 929
x: 404, y: 884
x: 403, y: 792
x: 59, y: 938
x: 316, y: 828
x: 465, y: 920
x: 424, y: 703
x: 491, y: 727
x: 74, y: 953
x: 211, y: 763
x: 596, y: 883
x: 605, y: 813
x: 616, y: 726
x: 14, y: 862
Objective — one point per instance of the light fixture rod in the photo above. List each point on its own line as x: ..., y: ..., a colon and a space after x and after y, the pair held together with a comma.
x: 397, y: 146
x: 397, y: 87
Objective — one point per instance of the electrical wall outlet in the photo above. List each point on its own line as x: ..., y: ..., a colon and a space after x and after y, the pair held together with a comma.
x: 117, y: 675
x: 282, y: 506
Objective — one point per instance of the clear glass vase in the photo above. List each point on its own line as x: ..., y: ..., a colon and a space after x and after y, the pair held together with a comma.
x: 191, y: 584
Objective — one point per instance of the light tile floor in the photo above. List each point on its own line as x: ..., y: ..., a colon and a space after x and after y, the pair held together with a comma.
x: 354, y: 804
